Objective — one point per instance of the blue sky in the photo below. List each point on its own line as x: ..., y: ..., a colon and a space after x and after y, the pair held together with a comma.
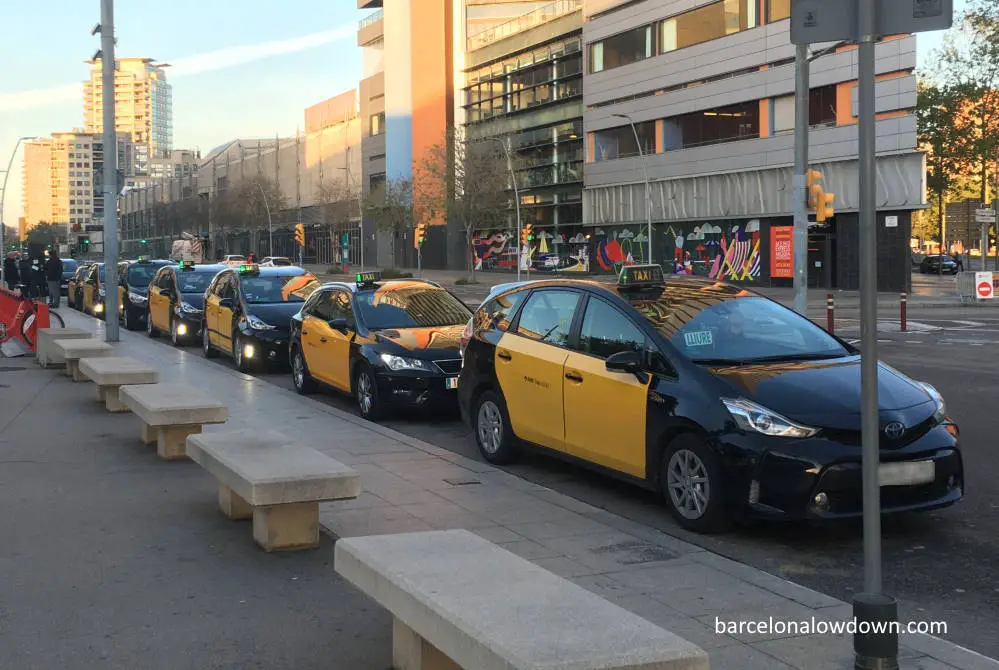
x: 274, y: 59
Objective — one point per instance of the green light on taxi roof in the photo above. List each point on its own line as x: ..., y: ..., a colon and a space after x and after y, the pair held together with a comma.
x: 368, y: 277
x: 247, y: 268
x: 142, y: 259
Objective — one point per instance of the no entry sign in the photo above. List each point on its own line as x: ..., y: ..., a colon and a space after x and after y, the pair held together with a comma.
x: 983, y: 285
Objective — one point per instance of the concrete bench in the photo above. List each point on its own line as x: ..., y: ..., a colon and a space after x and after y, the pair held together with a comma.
x: 111, y: 373
x: 171, y: 412
x: 44, y: 352
x: 73, y: 350
x: 277, y: 482
x: 459, y: 601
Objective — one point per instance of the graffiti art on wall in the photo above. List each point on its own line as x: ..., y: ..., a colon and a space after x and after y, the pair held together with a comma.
x: 717, y: 250
x: 621, y: 246
x: 494, y: 250
x: 547, y: 252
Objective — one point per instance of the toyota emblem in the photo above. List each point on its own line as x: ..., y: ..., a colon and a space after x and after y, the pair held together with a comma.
x: 895, y: 430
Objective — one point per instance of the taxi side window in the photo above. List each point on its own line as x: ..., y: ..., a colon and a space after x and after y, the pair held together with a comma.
x: 547, y: 316
x: 322, y: 306
x: 227, y: 286
x: 606, y: 331
x: 342, y: 308
x: 166, y: 281
x: 498, y: 312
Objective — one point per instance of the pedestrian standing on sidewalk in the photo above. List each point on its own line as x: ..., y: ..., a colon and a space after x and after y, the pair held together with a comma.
x: 38, y: 288
x: 53, y: 275
x: 10, y: 272
x: 24, y: 273
x: 960, y: 263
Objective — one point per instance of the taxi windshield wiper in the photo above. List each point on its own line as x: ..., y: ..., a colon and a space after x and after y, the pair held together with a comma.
x: 812, y: 356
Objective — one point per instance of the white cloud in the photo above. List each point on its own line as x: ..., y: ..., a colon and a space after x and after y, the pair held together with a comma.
x: 197, y: 64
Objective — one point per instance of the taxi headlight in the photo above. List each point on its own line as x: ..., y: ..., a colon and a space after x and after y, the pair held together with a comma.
x: 396, y: 363
x: 189, y: 308
x: 137, y: 298
x: 758, y: 419
x: 256, y: 324
x: 941, y: 411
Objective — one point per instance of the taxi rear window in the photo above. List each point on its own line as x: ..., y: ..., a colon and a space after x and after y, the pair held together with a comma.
x: 419, y: 306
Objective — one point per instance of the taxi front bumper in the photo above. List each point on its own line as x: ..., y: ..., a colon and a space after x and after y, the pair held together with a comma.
x: 429, y: 391
x: 270, y: 346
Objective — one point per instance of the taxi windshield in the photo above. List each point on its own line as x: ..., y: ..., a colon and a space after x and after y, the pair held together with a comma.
x: 289, y: 288
x: 415, y: 305
x: 194, y: 282
x: 139, y: 275
x: 714, y: 327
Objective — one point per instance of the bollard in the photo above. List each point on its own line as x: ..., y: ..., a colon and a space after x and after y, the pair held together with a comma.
x: 902, y: 305
x: 830, y: 307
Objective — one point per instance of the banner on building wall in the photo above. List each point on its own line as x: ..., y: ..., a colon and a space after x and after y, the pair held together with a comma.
x: 782, y: 252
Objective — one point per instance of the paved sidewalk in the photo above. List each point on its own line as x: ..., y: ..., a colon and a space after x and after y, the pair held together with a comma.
x: 409, y: 485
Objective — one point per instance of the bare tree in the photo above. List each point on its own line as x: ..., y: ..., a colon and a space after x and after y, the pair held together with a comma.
x: 254, y: 200
x: 462, y: 180
x: 338, y: 205
x: 389, y: 206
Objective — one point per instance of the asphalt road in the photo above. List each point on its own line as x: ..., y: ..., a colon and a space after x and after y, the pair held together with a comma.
x: 942, y: 565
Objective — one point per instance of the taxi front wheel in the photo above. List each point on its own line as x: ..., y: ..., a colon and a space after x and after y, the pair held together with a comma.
x: 491, y: 426
x: 206, y: 343
x: 366, y: 393
x: 304, y: 383
x: 690, y: 479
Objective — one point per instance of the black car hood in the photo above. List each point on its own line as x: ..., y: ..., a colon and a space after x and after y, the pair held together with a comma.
x: 141, y: 290
x: 824, y: 392
x: 195, y: 300
x: 276, y: 314
x: 437, y: 342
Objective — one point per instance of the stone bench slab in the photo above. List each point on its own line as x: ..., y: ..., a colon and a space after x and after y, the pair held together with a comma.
x: 171, y: 412
x: 274, y: 481
x: 460, y: 601
x: 113, y: 372
x: 73, y: 350
x: 44, y: 351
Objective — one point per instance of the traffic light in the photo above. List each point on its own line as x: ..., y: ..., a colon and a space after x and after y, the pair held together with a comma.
x: 85, y: 241
x: 419, y: 234
x: 143, y: 242
x: 818, y: 199
x: 526, y: 233
x: 300, y: 234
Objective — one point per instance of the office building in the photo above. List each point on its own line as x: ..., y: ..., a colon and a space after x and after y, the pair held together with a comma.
x: 709, y: 87
x: 143, y: 107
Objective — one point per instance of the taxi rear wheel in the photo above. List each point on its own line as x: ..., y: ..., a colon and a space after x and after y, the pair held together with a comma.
x: 366, y: 393
x: 304, y: 383
x: 206, y: 344
x: 691, y: 483
x: 491, y: 427
x: 150, y: 328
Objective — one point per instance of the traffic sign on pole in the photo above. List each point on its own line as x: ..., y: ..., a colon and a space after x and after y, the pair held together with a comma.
x: 814, y: 21
x: 985, y: 215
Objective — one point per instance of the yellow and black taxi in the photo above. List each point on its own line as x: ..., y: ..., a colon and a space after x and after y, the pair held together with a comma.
x: 91, y: 292
x: 725, y: 401
x: 177, y: 300
x: 74, y: 287
x: 248, y: 312
x: 392, y: 344
x: 133, y: 290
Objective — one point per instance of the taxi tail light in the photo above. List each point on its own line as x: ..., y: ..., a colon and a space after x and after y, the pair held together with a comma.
x: 466, y: 335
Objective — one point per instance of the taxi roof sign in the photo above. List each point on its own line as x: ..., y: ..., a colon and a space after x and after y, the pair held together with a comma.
x: 186, y: 265
x: 641, y: 275
x: 142, y: 259
x: 364, y: 278
x: 249, y: 268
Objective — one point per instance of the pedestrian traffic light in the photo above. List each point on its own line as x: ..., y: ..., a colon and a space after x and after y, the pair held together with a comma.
x: 526, y: 233
x: 300, y: 234
x: 419, y: 234
x: 823, y: 208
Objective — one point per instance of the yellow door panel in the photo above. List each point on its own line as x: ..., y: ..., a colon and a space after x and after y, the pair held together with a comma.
x: 224, y: 320
x: 530, y: 375
x: 605, y: 414
x: 315, y: 359
x: 211, y: 318
x: 154, y: 310
x: 121, y: 298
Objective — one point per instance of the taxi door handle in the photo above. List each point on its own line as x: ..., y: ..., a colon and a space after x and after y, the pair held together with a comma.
x: 322, y: 339
x: 574, y: 376
x: 505, y: 355
x: 305, y: 332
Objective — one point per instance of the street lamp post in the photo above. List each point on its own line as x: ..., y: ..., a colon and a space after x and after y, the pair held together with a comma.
x: 360, y: 213
x: 3, y: 198
x: 645, y: 172
x: 516, y: 196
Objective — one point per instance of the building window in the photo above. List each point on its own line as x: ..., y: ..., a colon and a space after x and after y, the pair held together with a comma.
x: 713, y: 126
x: 778, y: 9
x: 630, y: 47
x: 707, y: 23
x: 620, y: 142
x: 822, y: 106
x: 377, y: 124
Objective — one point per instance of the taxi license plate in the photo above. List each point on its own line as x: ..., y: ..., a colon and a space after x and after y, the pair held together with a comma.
x: 907, y: 474
x: 451, y: 383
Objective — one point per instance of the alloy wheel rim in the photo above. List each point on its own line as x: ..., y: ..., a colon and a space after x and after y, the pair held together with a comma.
x: 238, y: 353
x: 364, y: 393
x: 688, y: 484
x: 297, y: 370
x: 490, y: 427
x: 205, y: 344
x: 173, y: 332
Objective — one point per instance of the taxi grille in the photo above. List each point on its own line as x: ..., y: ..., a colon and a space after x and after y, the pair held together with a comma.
x: 452, y: 366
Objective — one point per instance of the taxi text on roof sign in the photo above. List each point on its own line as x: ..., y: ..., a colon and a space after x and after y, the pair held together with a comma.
x: 186, y: 265
x: 368, y: 277
x: 249, y: 268
x: 639, y: 275
x: 142, y: 259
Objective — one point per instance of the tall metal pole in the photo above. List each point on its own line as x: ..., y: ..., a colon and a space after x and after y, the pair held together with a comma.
x: 800, y: 182
x: 872, y: 650
x: 516, y: 196
x: 270, y: 225
x: 645, y: 172
x: 110, y: 175
x: 3, y: 199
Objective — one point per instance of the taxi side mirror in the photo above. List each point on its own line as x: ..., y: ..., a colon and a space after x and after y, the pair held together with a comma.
x: 339, y: 325
x: 628, y: 362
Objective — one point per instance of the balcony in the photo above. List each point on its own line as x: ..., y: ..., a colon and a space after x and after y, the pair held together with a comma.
x: 371, y: 28
x: 539, y: 16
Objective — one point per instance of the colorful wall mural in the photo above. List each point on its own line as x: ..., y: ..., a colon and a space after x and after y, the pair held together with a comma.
x: 547, y: 252
x: 719, y: 250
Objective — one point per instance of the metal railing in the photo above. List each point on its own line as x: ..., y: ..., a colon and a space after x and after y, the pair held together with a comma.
x: 523, y: 22
x: 370, y: 18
